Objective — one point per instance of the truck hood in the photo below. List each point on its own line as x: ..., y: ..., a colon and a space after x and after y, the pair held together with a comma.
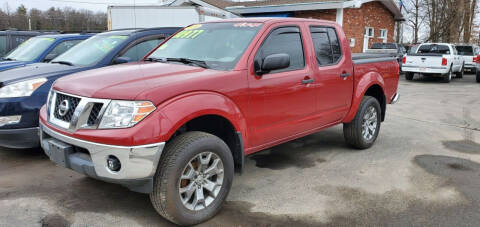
x: 127, y: 81
x: 4, y: 65
x: 36, y: 70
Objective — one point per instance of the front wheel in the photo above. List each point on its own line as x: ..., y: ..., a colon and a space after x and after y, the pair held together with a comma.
x: 193, y: 178
x: 362, y: 132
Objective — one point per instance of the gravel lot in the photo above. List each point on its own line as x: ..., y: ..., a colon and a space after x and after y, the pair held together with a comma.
x: 423, y: 171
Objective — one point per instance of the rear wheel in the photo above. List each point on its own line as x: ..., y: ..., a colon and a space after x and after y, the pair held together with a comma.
x: 460, y: 74
x: 409, y: 76
x: 448, y: 76
x: 193, y: 178
x: 362, y: 132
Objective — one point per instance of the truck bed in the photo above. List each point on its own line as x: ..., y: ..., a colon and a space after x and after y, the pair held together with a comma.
x: 364, y: 58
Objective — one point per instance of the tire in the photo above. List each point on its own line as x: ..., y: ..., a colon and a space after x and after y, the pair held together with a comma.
x: 353, y: 131
x: 179, y: 155
x: 409, y: 76
x: 461, y: 73
x: 447, y: 77
x: 478, y: 76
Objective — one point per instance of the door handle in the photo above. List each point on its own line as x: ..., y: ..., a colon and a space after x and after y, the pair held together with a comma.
x: 344, y: 75
x: 308, y: 81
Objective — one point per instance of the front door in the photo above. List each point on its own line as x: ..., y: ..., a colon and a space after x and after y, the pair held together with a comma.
x: 281, y: 101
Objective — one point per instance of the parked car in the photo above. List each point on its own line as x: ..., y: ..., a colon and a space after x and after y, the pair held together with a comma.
x: 434, y: 59
x: 178, y: 124
x: 388, y: 48
x: 10, y: 39
x: 41, y: 48
x: 476, y: 61
x: 24, y: 90
x: 468, y: 52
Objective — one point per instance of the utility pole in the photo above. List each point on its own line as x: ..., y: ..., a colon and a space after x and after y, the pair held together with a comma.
x: 29, y: 23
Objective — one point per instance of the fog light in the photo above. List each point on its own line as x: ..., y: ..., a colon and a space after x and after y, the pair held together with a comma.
x: 113, y: 163
x: 10, y: 120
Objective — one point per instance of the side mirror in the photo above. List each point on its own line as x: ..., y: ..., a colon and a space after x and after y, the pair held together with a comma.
x: 49, y: 57
x: 121, y: 60
x: 272, y: 62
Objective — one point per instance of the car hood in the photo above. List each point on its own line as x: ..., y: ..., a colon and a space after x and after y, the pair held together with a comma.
x: 4, y: 65
x: 127, y: 81
x: 36, y: 70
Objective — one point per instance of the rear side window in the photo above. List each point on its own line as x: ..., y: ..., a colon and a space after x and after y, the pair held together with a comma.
x: 433, y: 49
x: 284, y: 40
x: 327, y: 46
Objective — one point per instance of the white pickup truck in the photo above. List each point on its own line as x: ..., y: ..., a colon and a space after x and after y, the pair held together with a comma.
x: 434, y: 59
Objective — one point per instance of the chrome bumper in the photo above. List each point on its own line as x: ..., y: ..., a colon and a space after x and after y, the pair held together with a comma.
x: 137, y: 162
x: 395, y: 98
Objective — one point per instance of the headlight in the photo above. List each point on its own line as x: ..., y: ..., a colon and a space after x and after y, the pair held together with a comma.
x: 124, y: 114
x: 21, y: 89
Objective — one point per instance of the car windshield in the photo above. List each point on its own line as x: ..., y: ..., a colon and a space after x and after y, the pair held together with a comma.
x: 91, y: 51
x: 3, y: 45
x: 216, y: 45
x: 30, y: 49
x: 465, y: 50
x: 383, y: 46
x: 433, y: 49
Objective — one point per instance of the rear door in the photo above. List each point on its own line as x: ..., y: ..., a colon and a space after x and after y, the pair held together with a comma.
x: 333, y: 72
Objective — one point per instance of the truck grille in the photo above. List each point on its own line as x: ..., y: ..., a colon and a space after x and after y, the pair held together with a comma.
x: 94, y: 114
x: 72, y: 105
x: 73, y: 112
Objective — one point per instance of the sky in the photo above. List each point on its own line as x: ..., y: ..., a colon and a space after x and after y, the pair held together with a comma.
x: 94, y: 5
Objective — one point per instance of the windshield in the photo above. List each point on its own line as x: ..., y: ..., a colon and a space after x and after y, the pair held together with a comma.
x: 92, y: 50
x: 465, y: 50
x: 30, y: 49
x: 218, y: 45
x: 3, y: 45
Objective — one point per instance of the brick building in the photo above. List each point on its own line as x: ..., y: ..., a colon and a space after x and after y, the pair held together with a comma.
x: 364, y: 21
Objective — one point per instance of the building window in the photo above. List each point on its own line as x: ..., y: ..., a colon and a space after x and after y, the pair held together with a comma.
x: 369, y: 32
x: 383, y: 33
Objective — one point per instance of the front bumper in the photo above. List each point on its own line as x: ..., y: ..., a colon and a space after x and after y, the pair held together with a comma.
x: 395, y: 98
x: 19, y: 138
x: 427, y: 70
x: 138, y: 163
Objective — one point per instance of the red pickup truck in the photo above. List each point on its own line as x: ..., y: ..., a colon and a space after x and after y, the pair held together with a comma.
x: 178, y: 124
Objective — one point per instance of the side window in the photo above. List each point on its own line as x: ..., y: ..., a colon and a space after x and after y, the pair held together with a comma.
x: 63, y: 46
x: 138, y: 51
x: 284, y: 40
x: 326, y: 44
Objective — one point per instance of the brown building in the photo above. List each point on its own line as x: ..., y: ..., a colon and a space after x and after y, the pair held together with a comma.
x: 364, y: 21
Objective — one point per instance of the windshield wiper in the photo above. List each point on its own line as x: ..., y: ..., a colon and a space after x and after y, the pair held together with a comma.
x: 199, y: 63
x: 63, y: 62
x: 8, y: 59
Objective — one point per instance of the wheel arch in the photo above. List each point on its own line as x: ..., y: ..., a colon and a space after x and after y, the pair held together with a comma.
x: 371, y: 84
x: 217, y: 115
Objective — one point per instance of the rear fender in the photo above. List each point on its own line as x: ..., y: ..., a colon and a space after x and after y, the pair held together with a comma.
x: 366, y: 81
x: 186, y: 107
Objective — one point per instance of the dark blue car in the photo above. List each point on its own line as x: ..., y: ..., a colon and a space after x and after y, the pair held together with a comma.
x: 41, y: 48
x: 24, y: 90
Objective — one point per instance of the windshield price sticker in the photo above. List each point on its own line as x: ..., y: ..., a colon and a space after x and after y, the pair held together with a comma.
x: 192, y: 27
x: 188, y: 34
x: 247, y: 25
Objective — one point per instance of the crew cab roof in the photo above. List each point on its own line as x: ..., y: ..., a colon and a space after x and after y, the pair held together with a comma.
x: 269, y: 20
x: 130, y: 31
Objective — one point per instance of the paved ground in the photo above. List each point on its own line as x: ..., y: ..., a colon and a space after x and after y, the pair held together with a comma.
x: 423, y: 171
